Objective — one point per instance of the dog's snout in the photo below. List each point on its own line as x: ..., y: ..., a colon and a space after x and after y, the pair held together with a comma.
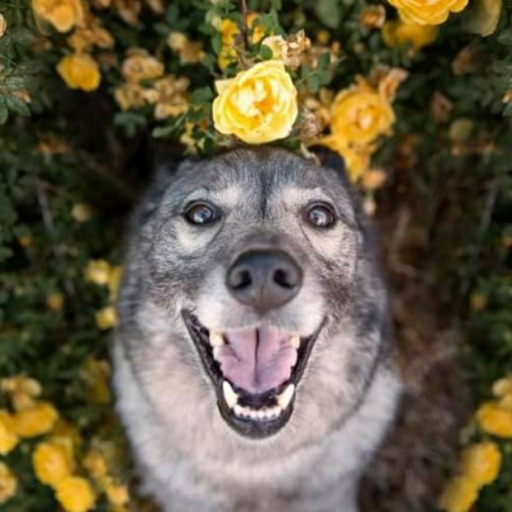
x: 264, y: 279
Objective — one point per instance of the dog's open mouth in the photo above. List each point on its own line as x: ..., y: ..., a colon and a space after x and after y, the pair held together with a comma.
x: 255, y: 372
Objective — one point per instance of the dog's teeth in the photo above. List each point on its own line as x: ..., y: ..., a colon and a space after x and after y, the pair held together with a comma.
x: 238, y: 409
x: 216, y: 352
x: 229, y: 394
x: 295, y: 341
x: 284, y: 399
x: 216, y: 339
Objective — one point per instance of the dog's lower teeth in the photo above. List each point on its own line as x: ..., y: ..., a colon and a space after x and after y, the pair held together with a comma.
x: 216, y: 339
x: 229, y: 394
x: 257, y: 415
x: 286, y: 396
x: 295, y: 342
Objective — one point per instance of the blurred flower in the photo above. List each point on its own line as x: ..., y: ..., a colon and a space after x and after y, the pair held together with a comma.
x: 372, y: 16
x: 440, y: 107
x: 128, y: 10
x: 52, y: 463
x: 310, y: 127
x: 373, y: 179
x: 3, y: 24
x: 8, y: 438
x: 481, y: 463
x: 258, y: 105
x: 495, y: 419
x: 75, y: 494
x: 95, y: 374
x: 478, y: 301
x: 95, y: 464
x: 427, y: 12
x: 171, y: 96
x: 22, y: 389
x: 130, y: 95
x: 140, y: 65
x: 90, y: 33
x: 35, y: 421
x: 25, y: 241
x: 80, y: 71
x: 228, y: 31
x: 360, y: 114
x: 398, y: 33
x: 257, y: 30
x: 117, y: 494
x: 290, y: 50
x: 8, y: 483
x: 62, y: 14
x: 114, y: 280
x: 502, y: 387
x: 459, y: 495
x: 460, y: 129
x: 471, y: 59
x: 81, y: 212
x: 323, y: 37
x: 483, y: 17
x: 357, y: 158
x: 55, y: 301
x: 106, y: 318
x: 189, y: 52
x: 98, y: 272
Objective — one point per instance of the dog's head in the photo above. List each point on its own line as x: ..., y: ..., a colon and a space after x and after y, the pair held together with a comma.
x: 251, y: 260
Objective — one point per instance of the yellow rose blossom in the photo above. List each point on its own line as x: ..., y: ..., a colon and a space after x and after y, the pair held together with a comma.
x: 372, y: 16
x: 427, y: 12
x: 360, y: 114
x: 106, y: 318
x: 357, y: 159
x: 228, y: 31
x: 484, y: 17
x: 96, y: 375
x: 98, y: 272
x: 502, y: 387
x: 459, y: 495
x: 52, y: 463
x: 75, y: 494
x: 398, y: 33
x: 80, y: 71
x: 117, y: 494
x: 35, y: 421
x: 62, y: 14
x: 3, y: 25
x: 130, y: 95
x: 81, y: 212
x: 481, y: 462
x: 55, y: 301
x: 258, y: 105
x: 8, y: 483
x: 258, y: 31
x: 22, y: 389
x: 140, y: 65
x: 95, y: 464
x: 495, y: 419
x: 8, y: 437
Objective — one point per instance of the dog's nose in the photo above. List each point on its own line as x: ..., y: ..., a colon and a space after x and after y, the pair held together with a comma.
x: 264, y: 279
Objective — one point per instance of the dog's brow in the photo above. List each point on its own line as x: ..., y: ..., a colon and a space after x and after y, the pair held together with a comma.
x: 225, y: 195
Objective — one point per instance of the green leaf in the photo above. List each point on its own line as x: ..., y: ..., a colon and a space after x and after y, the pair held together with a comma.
x: 17, y: 105
x: 276, y: 4
x: 507, y: 112
x: 329, y: 12
x: 15, y: 83
x: 324, y: 61
x: 313, y: 83
x: 201, y: 95
x: 216, y: 43
x: 505, y: 37
x: 266, y: 52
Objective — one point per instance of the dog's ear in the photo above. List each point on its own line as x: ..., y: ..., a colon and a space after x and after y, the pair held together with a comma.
x: 332, y: 160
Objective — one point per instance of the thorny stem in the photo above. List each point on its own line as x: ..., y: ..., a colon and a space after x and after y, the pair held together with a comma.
x: 244, y: 23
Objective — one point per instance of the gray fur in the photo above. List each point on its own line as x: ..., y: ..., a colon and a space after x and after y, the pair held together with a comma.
x: 189, y: 458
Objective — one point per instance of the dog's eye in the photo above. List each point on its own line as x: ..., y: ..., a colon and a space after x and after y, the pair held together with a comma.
x: 201, y: 214
x: 320, y: 216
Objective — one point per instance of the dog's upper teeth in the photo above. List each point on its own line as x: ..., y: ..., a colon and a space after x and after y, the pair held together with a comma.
x: 216, y: 339
x: 285, y: 397
x: 229, y: 394
x: 295, y: 341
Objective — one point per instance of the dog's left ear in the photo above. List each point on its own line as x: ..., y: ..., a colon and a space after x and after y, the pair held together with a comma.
x: 331, y: 160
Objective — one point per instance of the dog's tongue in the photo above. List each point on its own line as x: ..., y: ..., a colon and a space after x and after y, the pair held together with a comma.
x: 257, y: 360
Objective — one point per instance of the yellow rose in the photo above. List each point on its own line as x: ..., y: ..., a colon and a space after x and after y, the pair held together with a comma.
x: 360, y: 114
x: 8, y: 484
x: 357, y: 159
x: 95, y: 464
x: 55, y: 301
x: 8, y: 437
x: 75, y: 494
x: 484, y: 17
x: 427, y: 12
x: 140, y: 65
x: 82, y: 212
x: 398, y: 33
x: 481, y: 462
x: 495, y: 420
x: 62, y: 14
x: 80, y: 71
x: 98, y: 272
x: 117, y: 494
x: 35, y: 421
x: 258, y: 105
x: 3, y: 25
x: 52, y: 463
x: 106, y: 318
x: 459, y: 495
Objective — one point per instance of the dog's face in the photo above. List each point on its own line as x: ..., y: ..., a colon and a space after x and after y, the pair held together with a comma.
x: 253, y: 257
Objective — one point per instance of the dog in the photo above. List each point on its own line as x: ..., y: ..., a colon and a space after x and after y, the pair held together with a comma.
x: 252, y: 361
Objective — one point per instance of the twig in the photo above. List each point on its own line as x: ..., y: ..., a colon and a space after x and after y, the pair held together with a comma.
x: 245, y: 31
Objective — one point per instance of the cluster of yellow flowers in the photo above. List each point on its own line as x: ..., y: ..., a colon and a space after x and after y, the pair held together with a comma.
x: 480, y: 463
x: 102, y: 273
x: 53, y: 458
